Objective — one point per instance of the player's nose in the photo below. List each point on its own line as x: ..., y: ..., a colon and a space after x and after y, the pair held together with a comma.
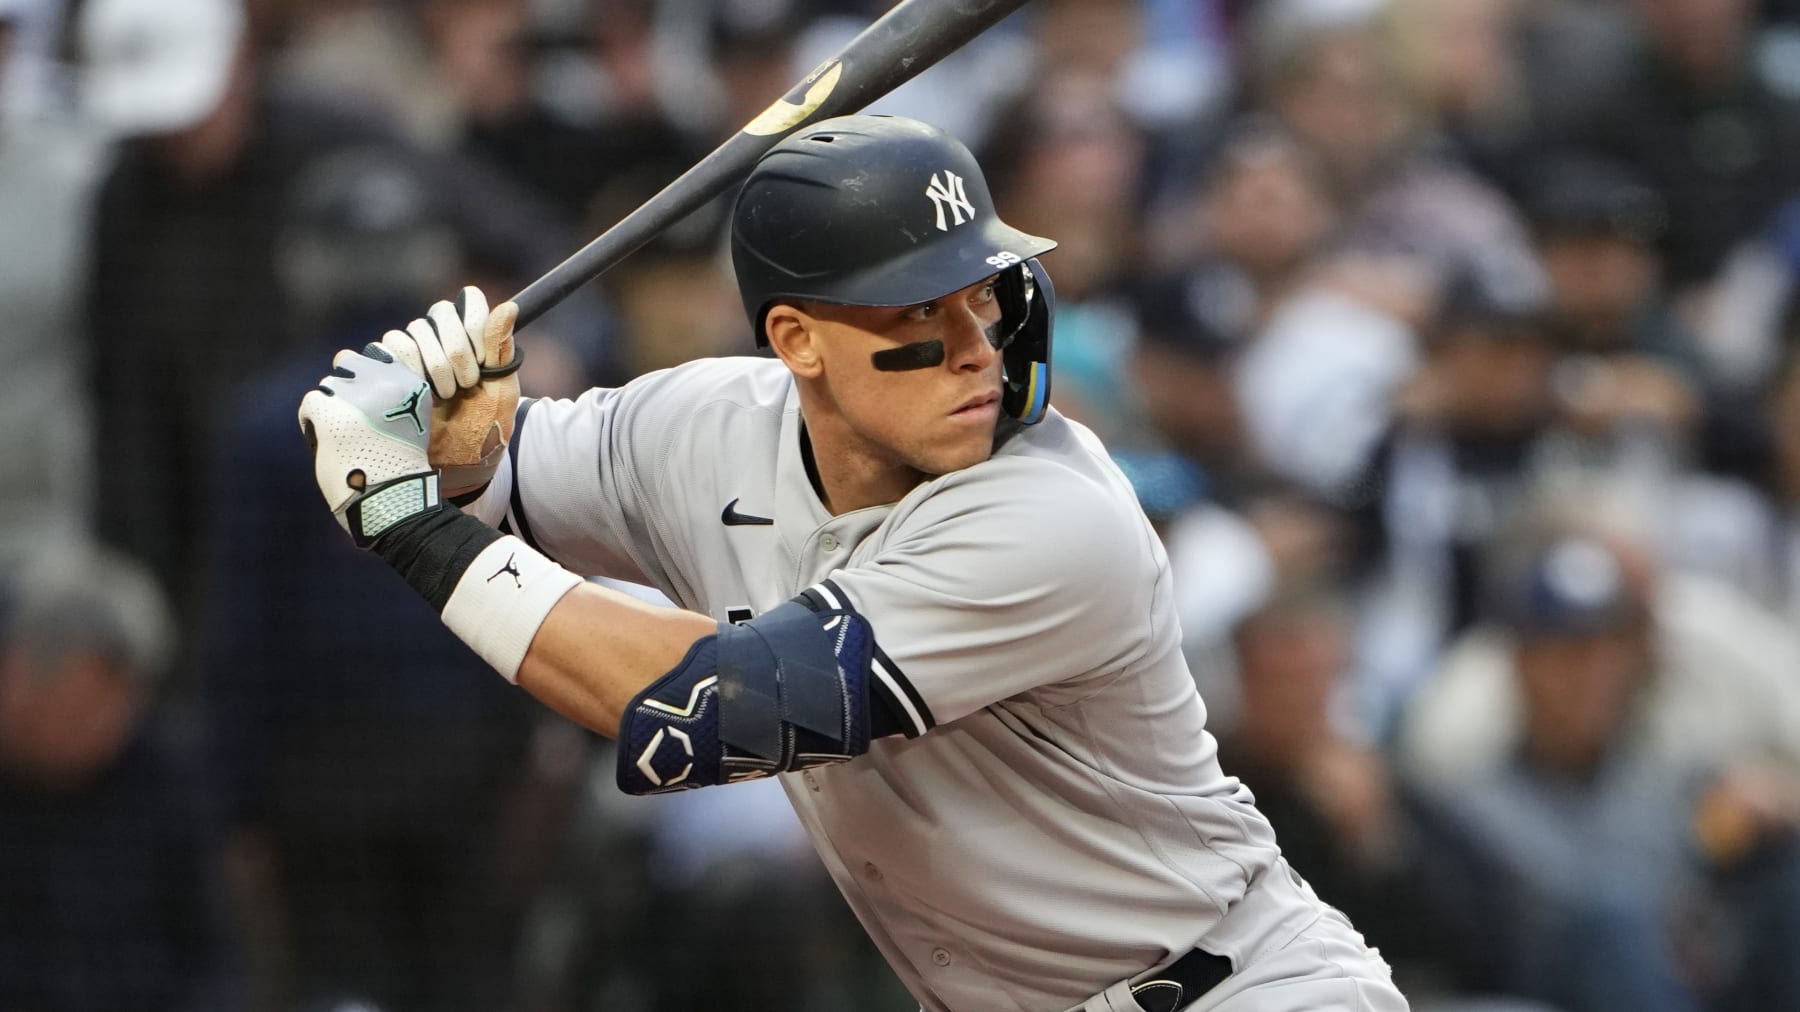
x: 967, y: 340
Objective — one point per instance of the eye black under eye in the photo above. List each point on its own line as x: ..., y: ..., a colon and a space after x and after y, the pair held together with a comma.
x: 907, y: 357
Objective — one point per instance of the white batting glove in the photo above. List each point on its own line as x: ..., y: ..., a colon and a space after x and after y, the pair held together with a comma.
x: 468, y: 355
x: 369, y: 424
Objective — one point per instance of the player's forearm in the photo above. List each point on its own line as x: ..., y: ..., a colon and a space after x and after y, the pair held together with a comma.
x: 583, y: 649
x: 598, y: 648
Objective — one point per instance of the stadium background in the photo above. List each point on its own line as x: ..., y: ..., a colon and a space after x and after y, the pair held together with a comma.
x: 1449, y: 343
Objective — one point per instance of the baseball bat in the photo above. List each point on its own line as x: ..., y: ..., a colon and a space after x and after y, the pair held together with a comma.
x: 912, y: 36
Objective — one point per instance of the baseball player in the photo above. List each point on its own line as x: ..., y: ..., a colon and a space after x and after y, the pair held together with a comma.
x: 913, y: 591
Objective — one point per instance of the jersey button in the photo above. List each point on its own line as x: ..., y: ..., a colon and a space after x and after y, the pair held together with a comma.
x: 828, y: 542
x: 811, y: 781
x: 871, y: 872
x: 940, y: 956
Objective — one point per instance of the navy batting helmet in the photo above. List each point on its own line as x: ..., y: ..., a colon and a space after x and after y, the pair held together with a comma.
x: 888, y: 211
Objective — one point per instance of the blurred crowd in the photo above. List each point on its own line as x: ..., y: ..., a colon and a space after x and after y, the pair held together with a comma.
x: 1450, y: 344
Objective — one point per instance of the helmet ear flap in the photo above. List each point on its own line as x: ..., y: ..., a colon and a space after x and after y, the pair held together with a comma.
x: 1029, y: 302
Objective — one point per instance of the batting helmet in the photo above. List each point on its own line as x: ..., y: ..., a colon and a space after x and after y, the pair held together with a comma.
x: 888, y: 211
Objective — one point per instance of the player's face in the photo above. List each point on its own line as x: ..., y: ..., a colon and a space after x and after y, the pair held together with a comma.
x: 933, y: 419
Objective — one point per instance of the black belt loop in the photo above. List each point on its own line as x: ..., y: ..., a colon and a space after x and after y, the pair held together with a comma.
x: 1181, y: 982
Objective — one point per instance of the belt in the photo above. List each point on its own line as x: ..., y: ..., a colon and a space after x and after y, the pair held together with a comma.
x: 1181, y: 982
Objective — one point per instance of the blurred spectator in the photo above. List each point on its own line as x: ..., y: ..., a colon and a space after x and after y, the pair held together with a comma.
x: 1330, y: 797
x: 1291, y: 651
x: 1630, y: 360
x: 1596, y: 227
x: 1766, y: 562
x: 1626, y: 362
x: 183, y: 292
x: 1715, y: 127
x: 1314, y: 387
x: 110, y: 895
x: 1166, y: 62
x: 1316, y: 382
x: 1064, y: 159
x: 50, y: 163
x: 1497, y: 77
x: 185, y: 295
x: 1260, y: 214
x: 374, y: 762
x: 1630, y: 825
x: 595, y: 128
x: 1466, y: 64
x: 1750, y: 314
x: 750, y: 46
x: 675, y: 297
x: 1570, y: 53
x: 360, y: 231
x: 476, y: 47
x: 1191, y: 326
x: 1466, y: 448
x: 427, y: 66
x: 1720, y: 668
x: 587, y: 109
x: 1329, y: 72
x: 1262, y: 205
x: 1335, y: 73
x: 30, y: 81
x: 1266, y: 206
x: 1498, y: 417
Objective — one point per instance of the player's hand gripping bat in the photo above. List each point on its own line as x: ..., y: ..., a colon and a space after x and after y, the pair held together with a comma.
x: 912, y: 36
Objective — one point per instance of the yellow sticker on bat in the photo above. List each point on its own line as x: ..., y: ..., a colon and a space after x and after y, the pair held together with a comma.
x: 784, y: 115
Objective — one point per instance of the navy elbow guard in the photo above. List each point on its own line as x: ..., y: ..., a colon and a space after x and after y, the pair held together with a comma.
x: 784, y: 691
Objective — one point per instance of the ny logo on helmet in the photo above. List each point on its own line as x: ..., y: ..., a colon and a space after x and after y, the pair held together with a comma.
x: 947, y: 194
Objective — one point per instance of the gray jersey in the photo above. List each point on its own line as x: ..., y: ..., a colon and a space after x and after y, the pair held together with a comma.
x: 1055, y: 818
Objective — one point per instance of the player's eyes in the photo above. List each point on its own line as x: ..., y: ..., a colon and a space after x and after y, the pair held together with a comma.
x: 919, y: 314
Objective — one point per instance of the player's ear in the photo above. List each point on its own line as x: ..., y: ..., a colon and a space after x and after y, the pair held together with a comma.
x: 794, y: 337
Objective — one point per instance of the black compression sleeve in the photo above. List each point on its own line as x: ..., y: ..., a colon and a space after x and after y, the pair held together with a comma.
x: 431, y: 551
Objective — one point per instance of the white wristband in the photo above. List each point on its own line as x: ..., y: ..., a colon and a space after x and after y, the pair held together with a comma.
x: 501, y: 600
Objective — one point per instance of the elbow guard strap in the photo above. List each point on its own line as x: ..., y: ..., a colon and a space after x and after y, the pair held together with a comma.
x: 784, y: 691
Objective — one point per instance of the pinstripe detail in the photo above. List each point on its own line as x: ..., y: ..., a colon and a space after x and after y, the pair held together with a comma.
x: 889, y: 679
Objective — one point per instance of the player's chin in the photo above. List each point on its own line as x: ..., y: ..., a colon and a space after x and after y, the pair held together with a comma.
x: 966, y: 449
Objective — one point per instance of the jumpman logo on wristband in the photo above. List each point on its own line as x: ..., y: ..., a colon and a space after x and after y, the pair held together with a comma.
x: 509, y: 568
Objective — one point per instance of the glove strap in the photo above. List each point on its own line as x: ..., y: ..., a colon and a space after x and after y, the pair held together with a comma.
x: 378, y: 509
x: 501, y: 371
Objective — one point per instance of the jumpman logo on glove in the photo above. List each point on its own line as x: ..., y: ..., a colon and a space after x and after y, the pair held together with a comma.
x: 409, y: 408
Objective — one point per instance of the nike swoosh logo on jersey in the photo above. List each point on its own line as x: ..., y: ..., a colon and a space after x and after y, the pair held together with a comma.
x: 733, y: 518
